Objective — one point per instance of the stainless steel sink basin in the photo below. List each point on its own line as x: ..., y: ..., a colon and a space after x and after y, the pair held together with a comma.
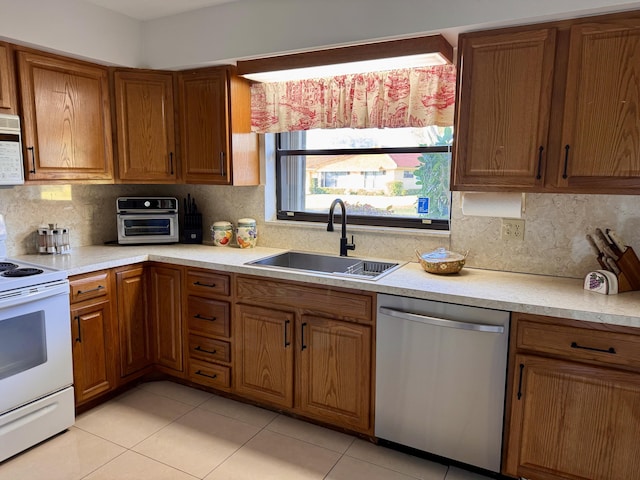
x: 327, y: 265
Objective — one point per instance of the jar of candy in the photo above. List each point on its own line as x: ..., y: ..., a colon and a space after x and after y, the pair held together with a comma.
x: 246, y: 233
x: 221, y: 233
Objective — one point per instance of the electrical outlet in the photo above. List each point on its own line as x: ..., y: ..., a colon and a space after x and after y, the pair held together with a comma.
x: 512, y: 229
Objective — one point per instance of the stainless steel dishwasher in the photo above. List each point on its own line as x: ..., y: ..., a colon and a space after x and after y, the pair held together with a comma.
x: 440, y: 378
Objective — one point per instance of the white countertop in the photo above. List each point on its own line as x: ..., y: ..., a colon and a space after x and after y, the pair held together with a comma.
x: 537, y: 294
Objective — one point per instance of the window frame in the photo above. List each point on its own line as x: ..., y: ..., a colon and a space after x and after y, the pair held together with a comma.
x: 381, y: 221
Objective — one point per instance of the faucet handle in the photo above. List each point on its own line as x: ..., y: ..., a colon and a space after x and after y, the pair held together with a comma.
x: 352, y: 245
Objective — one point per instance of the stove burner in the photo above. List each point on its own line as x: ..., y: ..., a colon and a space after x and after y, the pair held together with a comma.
x: 21, y: 272
x: 4, y: 266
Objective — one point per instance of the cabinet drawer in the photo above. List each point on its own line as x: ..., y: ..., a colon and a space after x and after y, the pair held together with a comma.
x: 579, y: 343
x: 90, y: 286
x: 208, y: 317
x: 207, y: 283
x: 209, y: 349
x: 210, y: 374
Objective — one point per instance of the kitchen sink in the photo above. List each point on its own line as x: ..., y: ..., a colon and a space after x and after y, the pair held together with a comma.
x: 327, y: 265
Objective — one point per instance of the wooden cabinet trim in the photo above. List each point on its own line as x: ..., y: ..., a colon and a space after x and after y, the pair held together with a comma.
x: 8, y: 99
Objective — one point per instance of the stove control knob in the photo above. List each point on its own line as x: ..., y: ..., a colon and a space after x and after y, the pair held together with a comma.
x: 147, y: 203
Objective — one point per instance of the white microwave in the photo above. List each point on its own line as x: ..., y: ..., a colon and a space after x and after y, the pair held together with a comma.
x: 11, y: 166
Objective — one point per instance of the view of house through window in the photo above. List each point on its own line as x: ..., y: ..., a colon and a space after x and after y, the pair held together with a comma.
x: 390, y: 177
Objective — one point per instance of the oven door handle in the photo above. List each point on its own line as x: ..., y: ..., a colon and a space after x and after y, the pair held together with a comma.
x: 24, y: 295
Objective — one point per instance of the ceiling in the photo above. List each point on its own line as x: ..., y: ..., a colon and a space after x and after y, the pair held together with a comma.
x: 150, y: 9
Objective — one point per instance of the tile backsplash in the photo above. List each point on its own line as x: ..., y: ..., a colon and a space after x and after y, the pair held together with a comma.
x: 554, y: 242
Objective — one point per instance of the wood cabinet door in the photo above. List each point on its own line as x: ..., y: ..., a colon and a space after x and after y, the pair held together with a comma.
x: 94, y: 362
x: 133, y: 319
x: 573, y: 421
x: 7, y: 80
x: 203, y: 126
x: 263, y: 365
x: 502, y: 119
x: 66, y: 119
x: 145, y: 126
x: 601, y: 123
x: 166, y: 317
x: 334, y: 371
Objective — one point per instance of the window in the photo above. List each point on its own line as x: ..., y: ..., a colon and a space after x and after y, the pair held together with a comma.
x: 388, y: 177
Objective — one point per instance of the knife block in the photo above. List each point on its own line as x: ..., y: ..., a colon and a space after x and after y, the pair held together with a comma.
x: 192, y: 228
x: 629, y: 276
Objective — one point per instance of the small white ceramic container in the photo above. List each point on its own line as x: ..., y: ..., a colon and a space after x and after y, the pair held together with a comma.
x: 246, y: 233
x: 221, y: 233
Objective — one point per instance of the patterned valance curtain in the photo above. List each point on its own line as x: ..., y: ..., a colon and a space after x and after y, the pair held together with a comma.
x: 413, y: 97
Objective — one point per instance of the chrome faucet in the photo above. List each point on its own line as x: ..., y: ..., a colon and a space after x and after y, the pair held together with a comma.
x: 344, y: 244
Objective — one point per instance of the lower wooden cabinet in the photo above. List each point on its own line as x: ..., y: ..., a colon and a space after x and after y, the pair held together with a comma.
x: 133, y: 319
x: 334, y: 371
x: 94, y: 365
x: 94, y: 335
x: 264, y: 364
x: 574, y: 401
x: 166, y: 317
x: 297, y: 347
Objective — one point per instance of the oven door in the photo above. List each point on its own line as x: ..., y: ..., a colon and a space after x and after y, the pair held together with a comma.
x: 147, y: 228
x: 35, y: 343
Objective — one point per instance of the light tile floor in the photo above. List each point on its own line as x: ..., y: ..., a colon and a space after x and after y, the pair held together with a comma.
x: 166, y: 431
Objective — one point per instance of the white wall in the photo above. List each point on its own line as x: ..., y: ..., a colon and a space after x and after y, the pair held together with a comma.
x: 72, y: 27
x: 253, y: 28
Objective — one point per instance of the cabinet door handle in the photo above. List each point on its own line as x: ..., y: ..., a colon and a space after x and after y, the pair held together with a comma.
x: 304, y: 347
x: 202, y: 317
x: 79, y: 337
x: 171, y: 162
x: 202, y: 374
x: 603, y: 350
x: 222, y: 172
x: 33, y: 159
x: 208, y: 285
x: 204, y: 350
x: 539, y: 174
x: 97, y: 289
x: 520, y: 382
x: 286, y: 336
x: 566, y: 161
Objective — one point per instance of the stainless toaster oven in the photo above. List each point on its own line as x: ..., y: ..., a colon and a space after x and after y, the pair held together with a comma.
x: 147, y: 220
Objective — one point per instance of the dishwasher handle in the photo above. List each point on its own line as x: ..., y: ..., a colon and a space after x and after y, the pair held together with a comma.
x: 441, y: 322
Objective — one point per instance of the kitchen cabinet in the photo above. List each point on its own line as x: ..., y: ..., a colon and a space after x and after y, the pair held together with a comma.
x: 8, y: 103
x: 133, y: 320
x: 145, y: 127
x: 305, y: 349
x: 503, y: 109
x: 94, y: 334
x: 217, y: 145
x: 574, y: 409
x: 550, y: 108
x: 207, y: 311
x: 66, y: 119
x: 166, y: 317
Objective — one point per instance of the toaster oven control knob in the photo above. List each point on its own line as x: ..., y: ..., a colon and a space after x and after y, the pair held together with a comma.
x: 147, y: 203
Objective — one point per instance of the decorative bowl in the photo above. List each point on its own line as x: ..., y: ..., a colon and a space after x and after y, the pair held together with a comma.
x: 442, y: 261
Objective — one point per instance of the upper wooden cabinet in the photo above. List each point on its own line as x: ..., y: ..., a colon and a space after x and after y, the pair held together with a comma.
x: 145, y: 127
x: 7, y: 80
x: 550, y: 108
x: 503, y: 109
x: 66, y: 119
x: 601, y: 124
x: 217, y: 145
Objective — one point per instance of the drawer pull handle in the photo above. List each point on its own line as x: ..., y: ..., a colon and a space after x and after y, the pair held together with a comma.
x: 202, y: 317
x: 566, y: 162
x: 33, y: 159
x: 539, y: 174
x: 286, y: 336
x: 603, y: 350
x: 97, y: 289
x: 199, y: 372
x: 520, y: 382
x: 304, y: 347
x: 204, y: 350
x: 208, y: 285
